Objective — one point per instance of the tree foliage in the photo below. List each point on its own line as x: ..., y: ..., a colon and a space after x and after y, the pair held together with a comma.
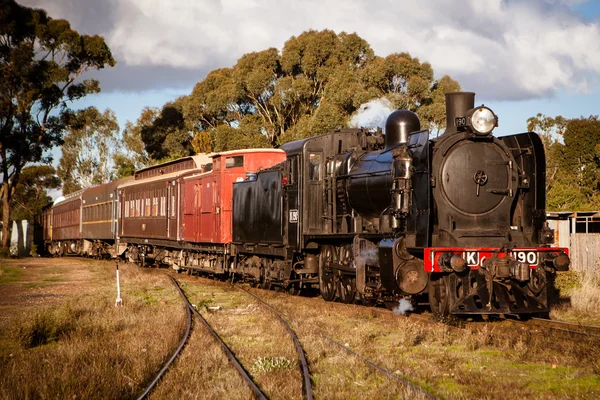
x: 163, y: 132
x: 572, y: 161
x: 90, y: 145
x: 313, y: 85
x: 31, y: 194
x: 133, y: 154
x: 41, y: 62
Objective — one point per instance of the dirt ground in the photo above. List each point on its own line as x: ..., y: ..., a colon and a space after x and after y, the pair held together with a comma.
x: 42, y: 282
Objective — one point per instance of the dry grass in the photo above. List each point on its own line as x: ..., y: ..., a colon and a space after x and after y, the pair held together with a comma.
x: 202, y: 372
x: 581, y: 293
x: 80, y: 356
x: 448, y: 362
x: 85, y: 347
x: 258, y: 340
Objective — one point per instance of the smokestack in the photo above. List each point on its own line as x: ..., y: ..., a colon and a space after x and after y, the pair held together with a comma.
x: 457, y: 105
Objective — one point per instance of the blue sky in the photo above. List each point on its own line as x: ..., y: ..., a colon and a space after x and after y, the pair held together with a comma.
x: 521, y: 57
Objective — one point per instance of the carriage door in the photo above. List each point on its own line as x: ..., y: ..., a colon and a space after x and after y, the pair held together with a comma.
x: 315, y: 170
x: 217, y: 210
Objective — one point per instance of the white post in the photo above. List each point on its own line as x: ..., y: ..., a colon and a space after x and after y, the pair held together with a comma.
x: 119, y: 300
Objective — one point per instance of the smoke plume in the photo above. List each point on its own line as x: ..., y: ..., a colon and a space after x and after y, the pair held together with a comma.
x: 403, y: 307
x: 372, y: 114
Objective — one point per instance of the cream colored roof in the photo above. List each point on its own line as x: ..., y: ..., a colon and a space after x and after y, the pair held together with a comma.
x: 164, y: 177
x: 245, y: 151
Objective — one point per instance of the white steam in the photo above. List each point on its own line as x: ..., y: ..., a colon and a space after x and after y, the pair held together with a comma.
x: 372, y: 114
x: 370, y: 256
x: 403, y: 307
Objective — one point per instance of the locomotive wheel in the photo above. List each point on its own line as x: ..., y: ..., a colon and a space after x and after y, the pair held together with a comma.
x: 346, y: 289
x: 326, y: 278
x: 439, y: 296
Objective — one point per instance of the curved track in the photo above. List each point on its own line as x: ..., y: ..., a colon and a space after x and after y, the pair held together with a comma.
x: 384, y: 371
x: 307, y: 387
x: 182, y: 343
x: 234, y: 361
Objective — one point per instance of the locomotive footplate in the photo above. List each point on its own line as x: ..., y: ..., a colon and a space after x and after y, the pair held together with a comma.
x: 477, y: 292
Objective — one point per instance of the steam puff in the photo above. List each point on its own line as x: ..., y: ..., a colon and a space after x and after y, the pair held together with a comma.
x: 371, y: 257
x: 372, y: 114
x: 403, y: 307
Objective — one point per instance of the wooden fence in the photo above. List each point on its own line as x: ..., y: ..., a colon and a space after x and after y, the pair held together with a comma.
x: 585, y: 252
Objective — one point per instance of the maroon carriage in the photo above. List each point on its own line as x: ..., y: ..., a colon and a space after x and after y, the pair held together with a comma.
x: 62, y: 226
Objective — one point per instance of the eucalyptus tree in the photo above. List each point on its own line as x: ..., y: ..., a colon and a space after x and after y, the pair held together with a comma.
x: 42, y: 61
x: 313, y: 85
x: 88, y: 151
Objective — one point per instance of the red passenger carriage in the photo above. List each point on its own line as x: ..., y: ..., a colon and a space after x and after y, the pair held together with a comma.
x: 179, y: 212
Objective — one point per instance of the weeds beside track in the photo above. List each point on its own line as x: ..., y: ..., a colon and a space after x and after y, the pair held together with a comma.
x: 384, y: 371
x: 182, y: 343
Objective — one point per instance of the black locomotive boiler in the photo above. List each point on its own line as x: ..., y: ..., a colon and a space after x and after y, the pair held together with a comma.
x: 459, y: 219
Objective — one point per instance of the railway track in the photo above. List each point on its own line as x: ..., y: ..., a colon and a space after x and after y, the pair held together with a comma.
x: 258, y: 393
x: 568, y: 328
x: 179, y: 348
x: 371, y: 364
x: 537, y: 326
x: 306, y: 378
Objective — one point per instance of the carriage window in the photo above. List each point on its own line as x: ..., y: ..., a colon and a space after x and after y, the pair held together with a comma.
x: 235, y: 161
x: 314, y: 166
x: 173, y: 205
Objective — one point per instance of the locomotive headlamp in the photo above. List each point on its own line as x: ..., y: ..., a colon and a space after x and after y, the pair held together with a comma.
x: 482, y: 120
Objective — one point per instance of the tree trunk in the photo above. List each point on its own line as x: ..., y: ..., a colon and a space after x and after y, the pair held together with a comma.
x: 6, y: 225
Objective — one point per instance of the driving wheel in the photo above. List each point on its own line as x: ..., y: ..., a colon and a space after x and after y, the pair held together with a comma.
x: 439, y: 296
x: 326, y: 278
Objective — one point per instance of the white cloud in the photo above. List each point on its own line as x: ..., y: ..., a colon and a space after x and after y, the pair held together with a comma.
x: 501, y: 49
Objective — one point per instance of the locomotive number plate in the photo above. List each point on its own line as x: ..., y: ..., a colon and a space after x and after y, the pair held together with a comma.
x: 293, y: 216
x: 476, y: 258
x: 527, y: 257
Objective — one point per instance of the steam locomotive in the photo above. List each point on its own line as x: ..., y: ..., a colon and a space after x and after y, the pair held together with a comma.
x: 457, y: 221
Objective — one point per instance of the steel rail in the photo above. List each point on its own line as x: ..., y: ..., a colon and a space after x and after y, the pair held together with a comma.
x: 563, y: 326
x: 182, y: 343
x: 366, y: 361
x: 591, y: 331
x: 230, y: 355
x: 307, y: 387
